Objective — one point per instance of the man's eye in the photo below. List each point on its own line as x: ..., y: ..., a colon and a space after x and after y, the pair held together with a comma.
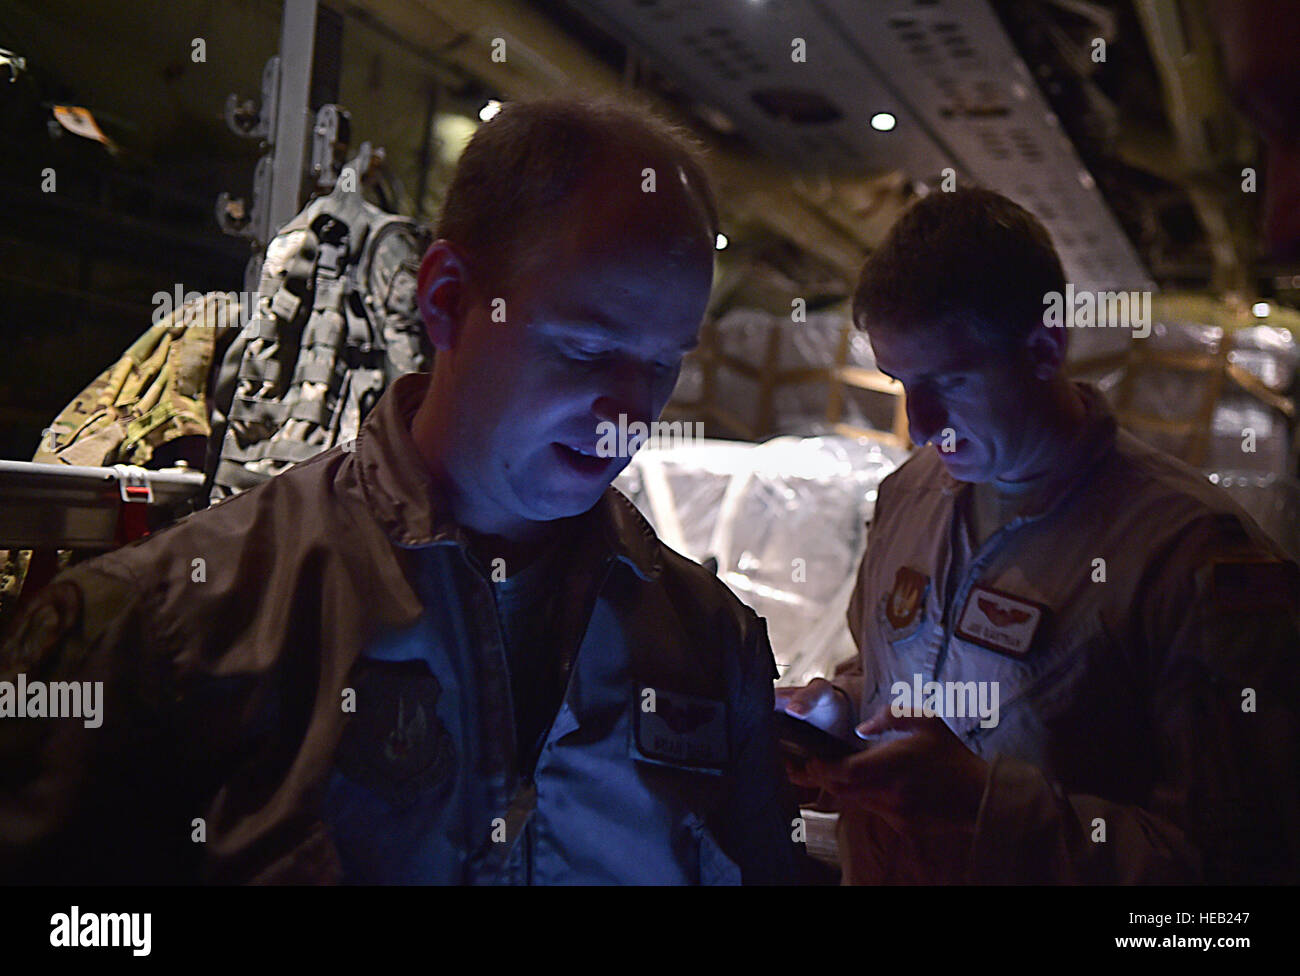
x: 954, y: 383
x: 588, y: 353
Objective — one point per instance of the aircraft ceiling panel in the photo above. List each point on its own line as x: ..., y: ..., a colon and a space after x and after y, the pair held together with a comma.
x: 945, y: 69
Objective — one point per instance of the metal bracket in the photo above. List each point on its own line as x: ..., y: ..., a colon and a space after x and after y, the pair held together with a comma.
x: 232, y: 215
x: 281, y: 124
x: 15, y: 64
x: 365, y: 166
x: 235, y: 217
x: 329, y: 144
x: 245, y: 119
x: 133, y: 483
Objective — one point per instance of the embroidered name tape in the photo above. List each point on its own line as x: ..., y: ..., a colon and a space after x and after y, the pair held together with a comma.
x: 681, y: 730
x: 999, y: 621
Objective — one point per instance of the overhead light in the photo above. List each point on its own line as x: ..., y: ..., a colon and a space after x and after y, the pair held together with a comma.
x: 883, y: 121
x: 1260, y: 309
x: 721, y: 242
x: 488, y: 112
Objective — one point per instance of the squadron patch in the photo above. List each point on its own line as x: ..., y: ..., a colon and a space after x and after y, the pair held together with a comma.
x: 902, y: 608
x: 395, y: 744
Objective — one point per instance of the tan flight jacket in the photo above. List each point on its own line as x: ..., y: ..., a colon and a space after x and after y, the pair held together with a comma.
x: 1149, y: 732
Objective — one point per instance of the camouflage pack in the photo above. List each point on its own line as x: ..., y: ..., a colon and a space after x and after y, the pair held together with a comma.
x: 336, y: 322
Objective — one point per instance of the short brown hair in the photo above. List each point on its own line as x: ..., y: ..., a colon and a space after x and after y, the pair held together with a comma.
x: 522, y: 165
x: 971, y: 257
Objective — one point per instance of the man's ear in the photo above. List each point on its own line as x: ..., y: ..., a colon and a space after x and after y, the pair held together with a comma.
x: 1046, y: 347
x: 441, y: 288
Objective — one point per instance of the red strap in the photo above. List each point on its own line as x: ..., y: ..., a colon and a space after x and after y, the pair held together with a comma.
x: 132, y: 520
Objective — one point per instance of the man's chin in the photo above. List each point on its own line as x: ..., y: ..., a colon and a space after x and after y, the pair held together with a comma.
x: 561, y: 501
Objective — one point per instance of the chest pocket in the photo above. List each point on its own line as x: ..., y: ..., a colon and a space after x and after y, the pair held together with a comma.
x: 1038, y: 694
x: 714, y: 867
x: 683, y: 757
x: 907, y: 623
x: 690, y: 802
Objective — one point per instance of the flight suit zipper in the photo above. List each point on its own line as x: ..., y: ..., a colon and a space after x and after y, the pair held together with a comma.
x: 489, y: 622
x: 979, y: 561
x: 524, y: 791
x: 992, y: 544
x: 568, y: 659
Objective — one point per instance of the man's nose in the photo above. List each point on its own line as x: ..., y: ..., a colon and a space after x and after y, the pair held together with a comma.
x: 627, y: 389
x: 925, y: 416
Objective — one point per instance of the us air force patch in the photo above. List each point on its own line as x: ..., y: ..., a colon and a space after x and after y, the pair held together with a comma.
x: 395, y: 744
x: 903, y: 608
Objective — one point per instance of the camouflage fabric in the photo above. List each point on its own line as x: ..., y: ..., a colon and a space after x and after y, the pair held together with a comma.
x: 336, y: 322
x: 13, y: 570
x: 155, y: 395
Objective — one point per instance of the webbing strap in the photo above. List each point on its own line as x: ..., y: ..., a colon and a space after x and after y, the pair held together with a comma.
x: 263, y: 327
x: 313, y: 411
x: 258, y: 411
x: 237, y: 476
x: 285, y: 304
x: 292, y: 451
x: 317, y: 369
x: 272, y: 450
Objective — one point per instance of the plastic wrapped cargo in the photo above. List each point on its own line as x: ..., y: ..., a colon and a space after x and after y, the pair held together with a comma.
x: 784, y: 520
x: 755, y: 344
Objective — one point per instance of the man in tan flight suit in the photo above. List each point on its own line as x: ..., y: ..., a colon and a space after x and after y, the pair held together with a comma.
x: 1092, y: 650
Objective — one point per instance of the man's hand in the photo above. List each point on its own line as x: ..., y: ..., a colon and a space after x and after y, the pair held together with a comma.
x: 926, y: 781
x: 821, y: 704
